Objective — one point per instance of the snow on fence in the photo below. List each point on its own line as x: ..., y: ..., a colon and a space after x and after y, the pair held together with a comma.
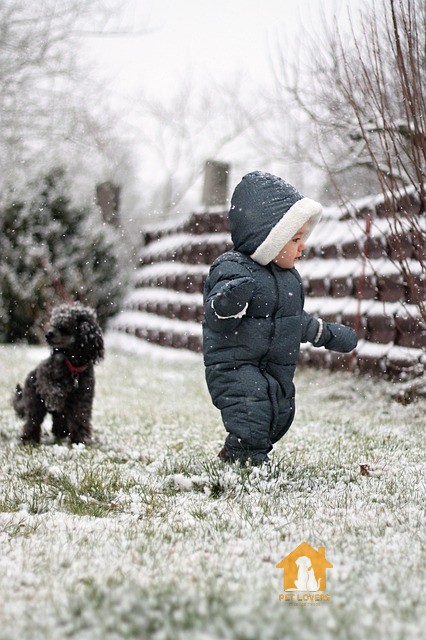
x: 350, y: 273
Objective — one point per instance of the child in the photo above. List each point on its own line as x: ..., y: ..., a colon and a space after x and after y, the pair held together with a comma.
x: 254, y: 318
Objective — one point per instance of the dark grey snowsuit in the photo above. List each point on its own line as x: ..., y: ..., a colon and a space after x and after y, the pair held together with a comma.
x: 254, y: 318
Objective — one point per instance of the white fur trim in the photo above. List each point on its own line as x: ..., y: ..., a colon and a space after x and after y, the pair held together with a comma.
x: 237, y: 315
x: 305, y: 210
x: 320, y: 330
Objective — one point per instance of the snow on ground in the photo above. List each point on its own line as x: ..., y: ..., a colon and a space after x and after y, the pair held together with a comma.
x: 147, y: 535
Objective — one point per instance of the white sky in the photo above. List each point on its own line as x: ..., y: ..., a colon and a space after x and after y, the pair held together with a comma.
x: 201, y: 40
x: 205, y: 38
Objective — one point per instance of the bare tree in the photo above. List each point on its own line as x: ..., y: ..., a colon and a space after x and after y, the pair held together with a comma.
x: 52, y: 111
x: 366, y: 108
x: 181, y: 132
x: 384, y: 85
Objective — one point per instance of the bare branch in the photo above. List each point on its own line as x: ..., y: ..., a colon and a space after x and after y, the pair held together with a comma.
x: 367, y: 109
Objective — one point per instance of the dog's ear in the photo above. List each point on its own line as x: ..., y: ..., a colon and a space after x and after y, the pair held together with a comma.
x: 98, y: 344
x: 91, y: 340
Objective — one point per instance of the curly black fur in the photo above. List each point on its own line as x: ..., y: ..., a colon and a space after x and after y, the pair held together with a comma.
x: 64, y: 383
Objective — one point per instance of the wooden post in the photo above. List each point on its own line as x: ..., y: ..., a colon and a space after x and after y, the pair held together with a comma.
x: 215, y: 190
x: 108, y: 200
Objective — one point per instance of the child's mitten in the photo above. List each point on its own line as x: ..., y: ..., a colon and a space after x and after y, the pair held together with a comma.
x: 232, y: 299
x: 337, y: 337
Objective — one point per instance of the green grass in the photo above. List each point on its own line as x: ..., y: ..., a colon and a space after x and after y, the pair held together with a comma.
x: 146, y: 534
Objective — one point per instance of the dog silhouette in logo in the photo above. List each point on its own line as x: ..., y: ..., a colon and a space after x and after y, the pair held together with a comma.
x: 306, y: 580
x: 305, y: 569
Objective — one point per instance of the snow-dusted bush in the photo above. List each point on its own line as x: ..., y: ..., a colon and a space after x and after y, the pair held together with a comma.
x: 51, y: 252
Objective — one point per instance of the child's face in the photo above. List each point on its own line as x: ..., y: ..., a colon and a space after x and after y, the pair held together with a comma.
x: 292, y: 251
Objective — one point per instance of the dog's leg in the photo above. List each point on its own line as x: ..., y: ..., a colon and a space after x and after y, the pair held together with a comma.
x: 79, y: 409
x: 33, y: 409
x: 32, y: 427
x: 80, y: 425
x: 81, y: 432
x: 59, y: 425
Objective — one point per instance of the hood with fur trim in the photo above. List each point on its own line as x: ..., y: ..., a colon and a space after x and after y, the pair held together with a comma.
x: 265, y: 214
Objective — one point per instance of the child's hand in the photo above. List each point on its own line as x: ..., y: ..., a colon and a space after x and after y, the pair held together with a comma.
x: 331, y: 335
x: 337, y: 337
x: 233, y: 298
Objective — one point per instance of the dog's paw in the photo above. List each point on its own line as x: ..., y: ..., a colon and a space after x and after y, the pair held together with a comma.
x: 86, y: 440
x: 29, y: 440
x: 60, y: 434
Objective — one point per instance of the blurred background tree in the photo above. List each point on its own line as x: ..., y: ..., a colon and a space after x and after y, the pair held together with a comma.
x: 359, y: 97
x: 53, y: 252
x: 58, y: 139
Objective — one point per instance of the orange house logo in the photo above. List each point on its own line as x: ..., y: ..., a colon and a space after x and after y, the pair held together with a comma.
x: 304, y: 569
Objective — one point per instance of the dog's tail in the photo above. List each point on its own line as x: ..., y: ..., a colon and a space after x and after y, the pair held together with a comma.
x: 18, y: 402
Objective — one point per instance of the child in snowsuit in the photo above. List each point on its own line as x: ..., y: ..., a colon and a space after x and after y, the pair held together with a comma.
x: 254, y: 319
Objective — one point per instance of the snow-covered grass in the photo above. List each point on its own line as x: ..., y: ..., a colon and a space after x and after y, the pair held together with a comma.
x: 147, y: 535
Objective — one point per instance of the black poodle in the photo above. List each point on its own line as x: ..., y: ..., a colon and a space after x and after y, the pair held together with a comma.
x: 64, y: 384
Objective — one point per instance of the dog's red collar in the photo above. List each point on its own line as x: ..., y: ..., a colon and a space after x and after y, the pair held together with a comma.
x: 75, y: 370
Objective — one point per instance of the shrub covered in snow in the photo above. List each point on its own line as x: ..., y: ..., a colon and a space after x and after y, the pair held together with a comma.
x: 52, y: 251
